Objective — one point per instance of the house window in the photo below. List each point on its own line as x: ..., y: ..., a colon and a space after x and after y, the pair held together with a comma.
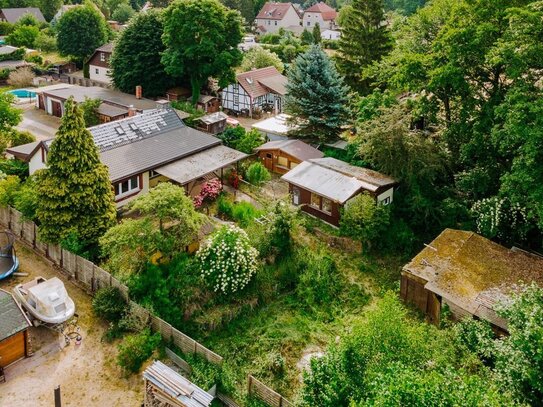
x: 269, y: 22
x: 326, y: 205
x: 293, y: 164
x: 282, y: 161
x: 315, y: 201
x: 153, y: 174
x: 308, y: 23
x: 269, y: 155
x: 102, y: 57
x: 97, y: 71
x: 236, y: 100
x: 127, y: 187
x: 276, y: 23
x: 386, y: 201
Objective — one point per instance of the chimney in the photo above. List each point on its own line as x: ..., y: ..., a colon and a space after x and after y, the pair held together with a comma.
x: 131, y: 111
x: 163, y: 104
x: 139, y: 91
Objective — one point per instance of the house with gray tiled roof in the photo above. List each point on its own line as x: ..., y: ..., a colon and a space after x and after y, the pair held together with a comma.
x: 12, y: 15
x: 14, y: 325
x: 148, y: 148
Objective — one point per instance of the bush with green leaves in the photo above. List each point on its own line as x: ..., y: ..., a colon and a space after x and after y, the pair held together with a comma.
x: 9, y: 187
x: 18, y: 138
x: 231, y: 136
x: 227, y: 260
x: 283, y: 222
x: 244, y: 213
x: 14, y: 167
x: 257, y: 173
x: 364, y: 219
x: 46, y: 42
x: 136, y: 349
x: 319, y: 280
x: 109, y: 304
x: 23, y: 36
x: 249, y: 141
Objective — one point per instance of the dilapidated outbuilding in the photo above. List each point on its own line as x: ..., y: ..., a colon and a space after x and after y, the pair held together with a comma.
x: 165, y: 387
x: 468, y: 273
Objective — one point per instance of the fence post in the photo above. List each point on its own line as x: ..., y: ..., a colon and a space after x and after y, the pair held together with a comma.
x: 249, y: 383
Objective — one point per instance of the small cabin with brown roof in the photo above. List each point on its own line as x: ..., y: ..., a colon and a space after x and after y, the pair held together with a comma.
x: 468, y: 273
x: 256, y: 91
x: 322, y: 186
x: 283, y: 155
x: 14, y: 326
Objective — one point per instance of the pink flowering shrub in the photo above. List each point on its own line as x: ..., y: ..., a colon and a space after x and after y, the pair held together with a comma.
x: 210, y: 191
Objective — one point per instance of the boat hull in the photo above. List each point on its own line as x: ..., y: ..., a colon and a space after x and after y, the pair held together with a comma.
x: 57, y: 319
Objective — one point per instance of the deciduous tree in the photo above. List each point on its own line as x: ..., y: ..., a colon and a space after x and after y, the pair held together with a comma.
x: 80, y: 31
x: 258, y: 57
x: 136, y: 58
x: 201, y: 38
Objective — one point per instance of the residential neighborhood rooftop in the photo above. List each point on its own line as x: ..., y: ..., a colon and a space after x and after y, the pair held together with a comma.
x: 327, y: 12
x: 12, y: 317
x: 259, y: 82
x: 12, y: 15
x: 274, y: 11
x: 335, y: 179
x: 295, y: 148
x: 473, y: 272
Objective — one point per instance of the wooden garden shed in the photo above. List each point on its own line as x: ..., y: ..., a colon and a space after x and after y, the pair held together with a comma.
x: 13, y: 330
x: 281, y: 156
x: 468, y: 273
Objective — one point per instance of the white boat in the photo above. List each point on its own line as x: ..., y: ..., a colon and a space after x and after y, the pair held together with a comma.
x: 45, y: 300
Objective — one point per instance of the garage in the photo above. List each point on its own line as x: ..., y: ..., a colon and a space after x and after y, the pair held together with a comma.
x: 13, y: 330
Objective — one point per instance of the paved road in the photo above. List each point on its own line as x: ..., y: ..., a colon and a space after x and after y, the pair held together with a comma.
x: 38, y: 122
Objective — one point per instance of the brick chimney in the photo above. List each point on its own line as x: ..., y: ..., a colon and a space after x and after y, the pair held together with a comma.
x: 163, y: 104
x: 131, y: 111
x: 139, y: 91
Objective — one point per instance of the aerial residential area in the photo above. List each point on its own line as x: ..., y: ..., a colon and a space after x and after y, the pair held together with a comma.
x: 246, y: 203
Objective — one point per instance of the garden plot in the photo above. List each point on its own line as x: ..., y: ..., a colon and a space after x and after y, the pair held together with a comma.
x: 87, y: 373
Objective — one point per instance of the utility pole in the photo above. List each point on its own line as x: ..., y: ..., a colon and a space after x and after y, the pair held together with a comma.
x: 58, y: 402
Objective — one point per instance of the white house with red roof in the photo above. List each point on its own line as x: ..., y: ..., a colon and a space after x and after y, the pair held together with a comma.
x: 257, y: 90
x: 321, y: 14
x: 274, y: 16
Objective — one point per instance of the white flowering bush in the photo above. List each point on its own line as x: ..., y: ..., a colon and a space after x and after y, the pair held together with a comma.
x: 227, y: 260
x: 498, y: 217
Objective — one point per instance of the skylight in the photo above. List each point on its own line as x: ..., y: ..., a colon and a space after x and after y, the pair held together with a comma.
x: 119, y: 130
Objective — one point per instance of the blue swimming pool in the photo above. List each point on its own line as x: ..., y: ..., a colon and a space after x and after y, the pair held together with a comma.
x: 23, y: 93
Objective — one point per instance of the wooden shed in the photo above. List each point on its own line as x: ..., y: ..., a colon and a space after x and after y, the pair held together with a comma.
x: 213, y: 123
x: 165, y: 387
x: 468, y: 273
x: 282, y: 155
x: 13, y: 330
x: 322, y: 186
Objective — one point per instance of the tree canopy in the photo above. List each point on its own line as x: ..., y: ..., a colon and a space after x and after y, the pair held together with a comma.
x: 80, y: 31
x: 75, y: 194
x: 316, y: 96
x: 201, y: 38
x: 258, y: 57
x: 136, y: 59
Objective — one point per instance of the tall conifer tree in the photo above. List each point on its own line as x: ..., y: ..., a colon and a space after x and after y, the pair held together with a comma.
x: 364, y: 39
x: 316, y: 96
x: 75, y: 194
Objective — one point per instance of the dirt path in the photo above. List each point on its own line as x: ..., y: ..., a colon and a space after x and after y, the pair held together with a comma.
x: 87, y: 374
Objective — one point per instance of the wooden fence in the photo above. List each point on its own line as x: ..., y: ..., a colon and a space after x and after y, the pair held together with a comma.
x: 259, y: 390
x: 91, y: 277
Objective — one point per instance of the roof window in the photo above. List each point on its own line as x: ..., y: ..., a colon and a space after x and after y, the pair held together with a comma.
x: 119, y: 130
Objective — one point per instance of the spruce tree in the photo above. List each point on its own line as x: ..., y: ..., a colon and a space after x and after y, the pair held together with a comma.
x: 317, y: 34
x: 75, y: 194
x: 364, y: 39
x: 316, y: 96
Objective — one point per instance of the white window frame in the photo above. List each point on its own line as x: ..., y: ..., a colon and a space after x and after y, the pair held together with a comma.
x: 102, y: 57
x: 131, y: 189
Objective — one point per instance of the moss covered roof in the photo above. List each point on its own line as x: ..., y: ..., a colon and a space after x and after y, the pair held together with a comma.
x: 474, y: 272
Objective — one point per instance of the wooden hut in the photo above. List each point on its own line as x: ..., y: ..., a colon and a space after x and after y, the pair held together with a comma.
x: 468, y: 273
x: 213, y: 123
x: 14, y: 326
x: 282, y: 155
x: 166, y: 388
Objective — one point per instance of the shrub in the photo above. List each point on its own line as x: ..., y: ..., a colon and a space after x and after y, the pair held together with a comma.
x: 109, y: 304
x: 18, y: 138
x: 46, y: 43
x: 123, y: 13
x: 35, y: 59
x: 225, y: 206
x: 257, y: 173
x: 6, y: 28
x: 21, y: 77
x: 319, y: 282
x: 249, y: 141
x: 9, y: 186
x: 209, y: 192
x: 14, y: 167
x: 136, y: 349
x: 283, y: 222
x: 227, y: 260
x: 26, y: 199
x: 244, y: 213
x: 232, y: 135
x: 23, y: 36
